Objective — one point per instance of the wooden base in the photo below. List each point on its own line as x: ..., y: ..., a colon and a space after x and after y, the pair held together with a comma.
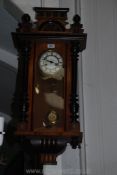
x: 48, y: 148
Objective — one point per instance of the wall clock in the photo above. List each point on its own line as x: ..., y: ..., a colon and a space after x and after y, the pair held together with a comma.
x: 46, y: 103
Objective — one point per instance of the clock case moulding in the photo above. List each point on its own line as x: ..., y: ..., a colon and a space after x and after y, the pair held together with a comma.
x: 50, y: 25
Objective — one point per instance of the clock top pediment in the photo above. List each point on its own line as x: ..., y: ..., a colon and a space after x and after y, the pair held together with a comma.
x: 49, y: 19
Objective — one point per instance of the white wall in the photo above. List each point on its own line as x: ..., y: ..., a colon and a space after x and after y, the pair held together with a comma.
x: 8, y: 58
x: 99, y: 70
x: 7, y: 85
x: 8, y: 25
x: 100, y: 85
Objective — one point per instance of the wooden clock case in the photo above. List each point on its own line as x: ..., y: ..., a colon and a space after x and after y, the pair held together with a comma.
x: 31, y: 40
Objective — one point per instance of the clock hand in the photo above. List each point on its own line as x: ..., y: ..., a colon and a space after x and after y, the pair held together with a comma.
x: 52, y: 62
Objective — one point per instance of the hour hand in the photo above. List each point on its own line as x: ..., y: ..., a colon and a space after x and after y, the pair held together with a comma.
x: 52, y: 62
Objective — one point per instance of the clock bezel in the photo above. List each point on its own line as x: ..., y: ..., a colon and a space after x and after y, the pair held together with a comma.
x: 48, y: 71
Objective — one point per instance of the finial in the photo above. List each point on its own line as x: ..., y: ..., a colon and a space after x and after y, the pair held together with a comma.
x: 76, y: 27
x: 76, y: 19
x: 26, y: 18
x: 25, y: 25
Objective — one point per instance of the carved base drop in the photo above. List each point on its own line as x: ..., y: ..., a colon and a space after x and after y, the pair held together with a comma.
x: 48, y: 148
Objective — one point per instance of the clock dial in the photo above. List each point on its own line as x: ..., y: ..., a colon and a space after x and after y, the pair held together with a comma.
x: 50, y: 63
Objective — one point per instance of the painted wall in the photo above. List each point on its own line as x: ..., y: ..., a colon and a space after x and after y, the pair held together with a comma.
x: 98, y: 72
x: 8, y: 24
x: 7, y: 85
x: 100, y: 85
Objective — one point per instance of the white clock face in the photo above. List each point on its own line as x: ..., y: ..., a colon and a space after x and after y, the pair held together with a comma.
x: 50, y: 62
